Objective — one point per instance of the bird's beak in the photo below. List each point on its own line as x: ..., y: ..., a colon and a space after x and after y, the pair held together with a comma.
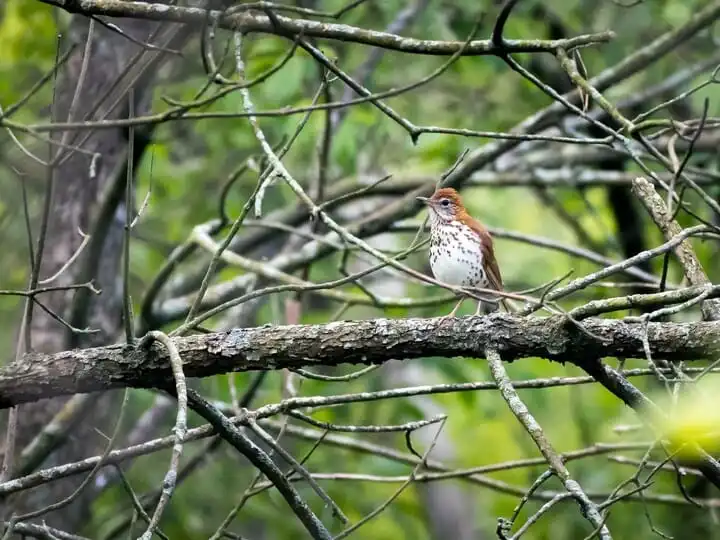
x: 423, y: 200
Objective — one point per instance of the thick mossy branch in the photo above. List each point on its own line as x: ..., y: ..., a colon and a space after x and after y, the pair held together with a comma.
x: 375, y: 341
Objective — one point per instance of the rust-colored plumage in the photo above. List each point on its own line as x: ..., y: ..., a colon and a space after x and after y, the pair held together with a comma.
x: 461, y: 248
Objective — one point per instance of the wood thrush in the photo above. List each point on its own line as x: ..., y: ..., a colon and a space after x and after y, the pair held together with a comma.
x: 461, y: 248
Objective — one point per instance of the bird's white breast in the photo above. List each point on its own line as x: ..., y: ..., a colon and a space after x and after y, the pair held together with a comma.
x: 456, y: 255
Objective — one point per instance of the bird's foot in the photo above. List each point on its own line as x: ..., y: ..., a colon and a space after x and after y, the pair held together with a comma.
x: 451, y: 315
x: 445, y: 318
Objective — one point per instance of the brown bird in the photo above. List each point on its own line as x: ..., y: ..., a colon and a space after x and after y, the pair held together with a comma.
x: 461, y: 248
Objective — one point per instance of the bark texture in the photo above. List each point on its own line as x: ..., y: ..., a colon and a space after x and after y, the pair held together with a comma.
x: 350, y: 342
x: 92, y: 87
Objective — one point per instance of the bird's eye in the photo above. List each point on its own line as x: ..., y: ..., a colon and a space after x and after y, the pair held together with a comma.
x: 445, y: 202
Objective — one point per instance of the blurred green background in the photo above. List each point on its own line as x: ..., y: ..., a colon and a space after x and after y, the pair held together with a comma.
x: 186, y: 166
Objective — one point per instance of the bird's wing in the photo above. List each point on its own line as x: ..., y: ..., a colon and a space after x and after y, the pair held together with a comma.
x: 491, y: 265
x: 488, y: 252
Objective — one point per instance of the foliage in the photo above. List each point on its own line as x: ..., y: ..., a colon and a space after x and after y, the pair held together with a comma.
x: 188, y: 162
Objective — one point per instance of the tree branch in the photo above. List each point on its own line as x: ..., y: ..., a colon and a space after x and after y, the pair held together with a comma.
x: 261, y: 461
x: 376, y: 341
x: 247, y: 21
x: 660, y: 214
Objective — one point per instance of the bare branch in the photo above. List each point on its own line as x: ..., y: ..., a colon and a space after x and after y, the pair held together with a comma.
x: 247, y: 22
x: 356, y: 342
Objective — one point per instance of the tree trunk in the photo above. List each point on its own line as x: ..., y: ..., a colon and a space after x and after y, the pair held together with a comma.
x: 81, y: 183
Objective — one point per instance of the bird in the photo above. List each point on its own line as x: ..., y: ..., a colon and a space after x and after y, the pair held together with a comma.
x: 461, y: 249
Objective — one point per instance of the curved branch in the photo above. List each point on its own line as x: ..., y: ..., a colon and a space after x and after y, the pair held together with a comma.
x: 589, y: 509
x: 261, y: 460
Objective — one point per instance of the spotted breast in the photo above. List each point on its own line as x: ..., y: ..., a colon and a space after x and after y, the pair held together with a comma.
x: 456, y: 256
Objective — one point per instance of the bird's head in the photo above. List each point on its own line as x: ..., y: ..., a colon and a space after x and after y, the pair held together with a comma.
x: 445, y: 204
